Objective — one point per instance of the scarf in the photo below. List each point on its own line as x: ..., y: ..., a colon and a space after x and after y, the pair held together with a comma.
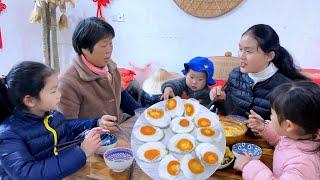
x: 104, y: 72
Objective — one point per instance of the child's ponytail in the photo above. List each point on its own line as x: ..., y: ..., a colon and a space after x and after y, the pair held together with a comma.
x: 5, y: 105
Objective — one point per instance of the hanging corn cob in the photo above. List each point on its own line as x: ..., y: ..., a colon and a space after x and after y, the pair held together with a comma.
x: 44, y: 11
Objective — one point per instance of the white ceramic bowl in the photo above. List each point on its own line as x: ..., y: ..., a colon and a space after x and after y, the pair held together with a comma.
x: 118, y: 159
x: 108, y: 141
x: 253, y: 150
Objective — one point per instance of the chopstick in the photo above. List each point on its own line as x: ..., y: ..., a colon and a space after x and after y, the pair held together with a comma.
x: 125, y: 133
x: 77, y: 140
x: 68, y: 144
x: 131, y: 169
x: 211, y: 105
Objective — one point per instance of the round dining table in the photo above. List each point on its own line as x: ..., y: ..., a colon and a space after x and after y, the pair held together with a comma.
x: 95, y: 167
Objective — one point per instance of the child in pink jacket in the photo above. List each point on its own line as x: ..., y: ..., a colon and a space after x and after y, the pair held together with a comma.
x: 293, y: 129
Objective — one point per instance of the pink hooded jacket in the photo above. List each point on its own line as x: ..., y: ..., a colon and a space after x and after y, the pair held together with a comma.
x: 292, y: 159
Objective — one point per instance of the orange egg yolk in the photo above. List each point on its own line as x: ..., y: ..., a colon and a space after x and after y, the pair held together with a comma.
x: 207, y: 132
x: 184, y: 123
x: 204, y: 122
x: 173, y: 168
x: 210, y: 157
x: 148, y: 130
x: 195, y: 166
x: 152, y: 154
x: 155, y: 113
x: 171, y: 104
x: 184, y: 145
x: 189, y: 109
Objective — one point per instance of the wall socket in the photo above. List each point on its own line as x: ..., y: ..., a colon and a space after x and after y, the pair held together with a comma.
x: 118, y: 17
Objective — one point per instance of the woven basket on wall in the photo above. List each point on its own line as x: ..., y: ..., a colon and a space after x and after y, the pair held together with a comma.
x: 223, y: 65
x: 207, y: 8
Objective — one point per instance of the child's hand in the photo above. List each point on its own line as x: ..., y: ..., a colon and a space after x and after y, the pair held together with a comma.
x: 241, y: 161
x: 216, y: 93
x: 92, y: 141
x: 107, y: 121
x: 167, y: 93
x: 255, y: 122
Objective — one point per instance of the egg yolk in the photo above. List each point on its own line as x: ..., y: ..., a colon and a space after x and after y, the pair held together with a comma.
x: 173, y: 168
x: 152, y: 154
x: 148, y: 130
x: 210, y: 157
x: 195, y: 166
x: 207, y: 132
x: 189, y: 109
x: 171, y: 104
x: 155, y: 113
x: 204, y: 122
x: 184, y: 145
x: 184, y: 123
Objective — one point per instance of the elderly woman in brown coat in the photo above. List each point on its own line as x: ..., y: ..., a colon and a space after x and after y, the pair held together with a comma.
x: 91, y: 86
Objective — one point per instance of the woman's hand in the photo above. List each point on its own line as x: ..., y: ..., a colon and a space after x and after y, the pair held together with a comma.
x: 92, y: 140
x: 216, y: 93
x: 167, y: 93
x: 255, y: 122
x: 107, y: 121
x: 241, y: 161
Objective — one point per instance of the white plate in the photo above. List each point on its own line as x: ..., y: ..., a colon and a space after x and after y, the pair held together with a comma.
x: 151, y: 169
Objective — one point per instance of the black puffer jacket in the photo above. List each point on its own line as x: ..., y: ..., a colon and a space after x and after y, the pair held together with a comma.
x: 241, y: 95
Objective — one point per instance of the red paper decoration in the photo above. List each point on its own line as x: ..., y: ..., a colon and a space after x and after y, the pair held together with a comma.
x: 101, y: 3
x: 2, y: 7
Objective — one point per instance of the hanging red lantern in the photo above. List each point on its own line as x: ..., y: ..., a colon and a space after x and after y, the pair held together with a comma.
x: 100, y: 4
x: 2, y: 7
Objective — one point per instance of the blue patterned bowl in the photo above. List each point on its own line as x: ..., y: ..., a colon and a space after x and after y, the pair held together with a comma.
x: 253, y: 150
x: 118, y: 159
x: 108, y: 141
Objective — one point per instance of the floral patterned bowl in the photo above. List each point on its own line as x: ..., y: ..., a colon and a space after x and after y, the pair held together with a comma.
x: 118, y: 159
x: 253, y: 150
x: 108, y: 141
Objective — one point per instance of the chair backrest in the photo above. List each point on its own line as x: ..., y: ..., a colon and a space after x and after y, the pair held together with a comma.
x: 223, y: 65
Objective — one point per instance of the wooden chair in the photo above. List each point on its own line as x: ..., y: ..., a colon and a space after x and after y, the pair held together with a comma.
x: 223, y: 65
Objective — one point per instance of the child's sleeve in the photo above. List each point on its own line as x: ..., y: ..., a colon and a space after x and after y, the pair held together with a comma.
x: 178, y: 85
x: 128, y: 103
x: 203, y: 96
x: 270, y: 135
x: 294, y: 169
x: 78, y: 126
x: 18, y: 163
